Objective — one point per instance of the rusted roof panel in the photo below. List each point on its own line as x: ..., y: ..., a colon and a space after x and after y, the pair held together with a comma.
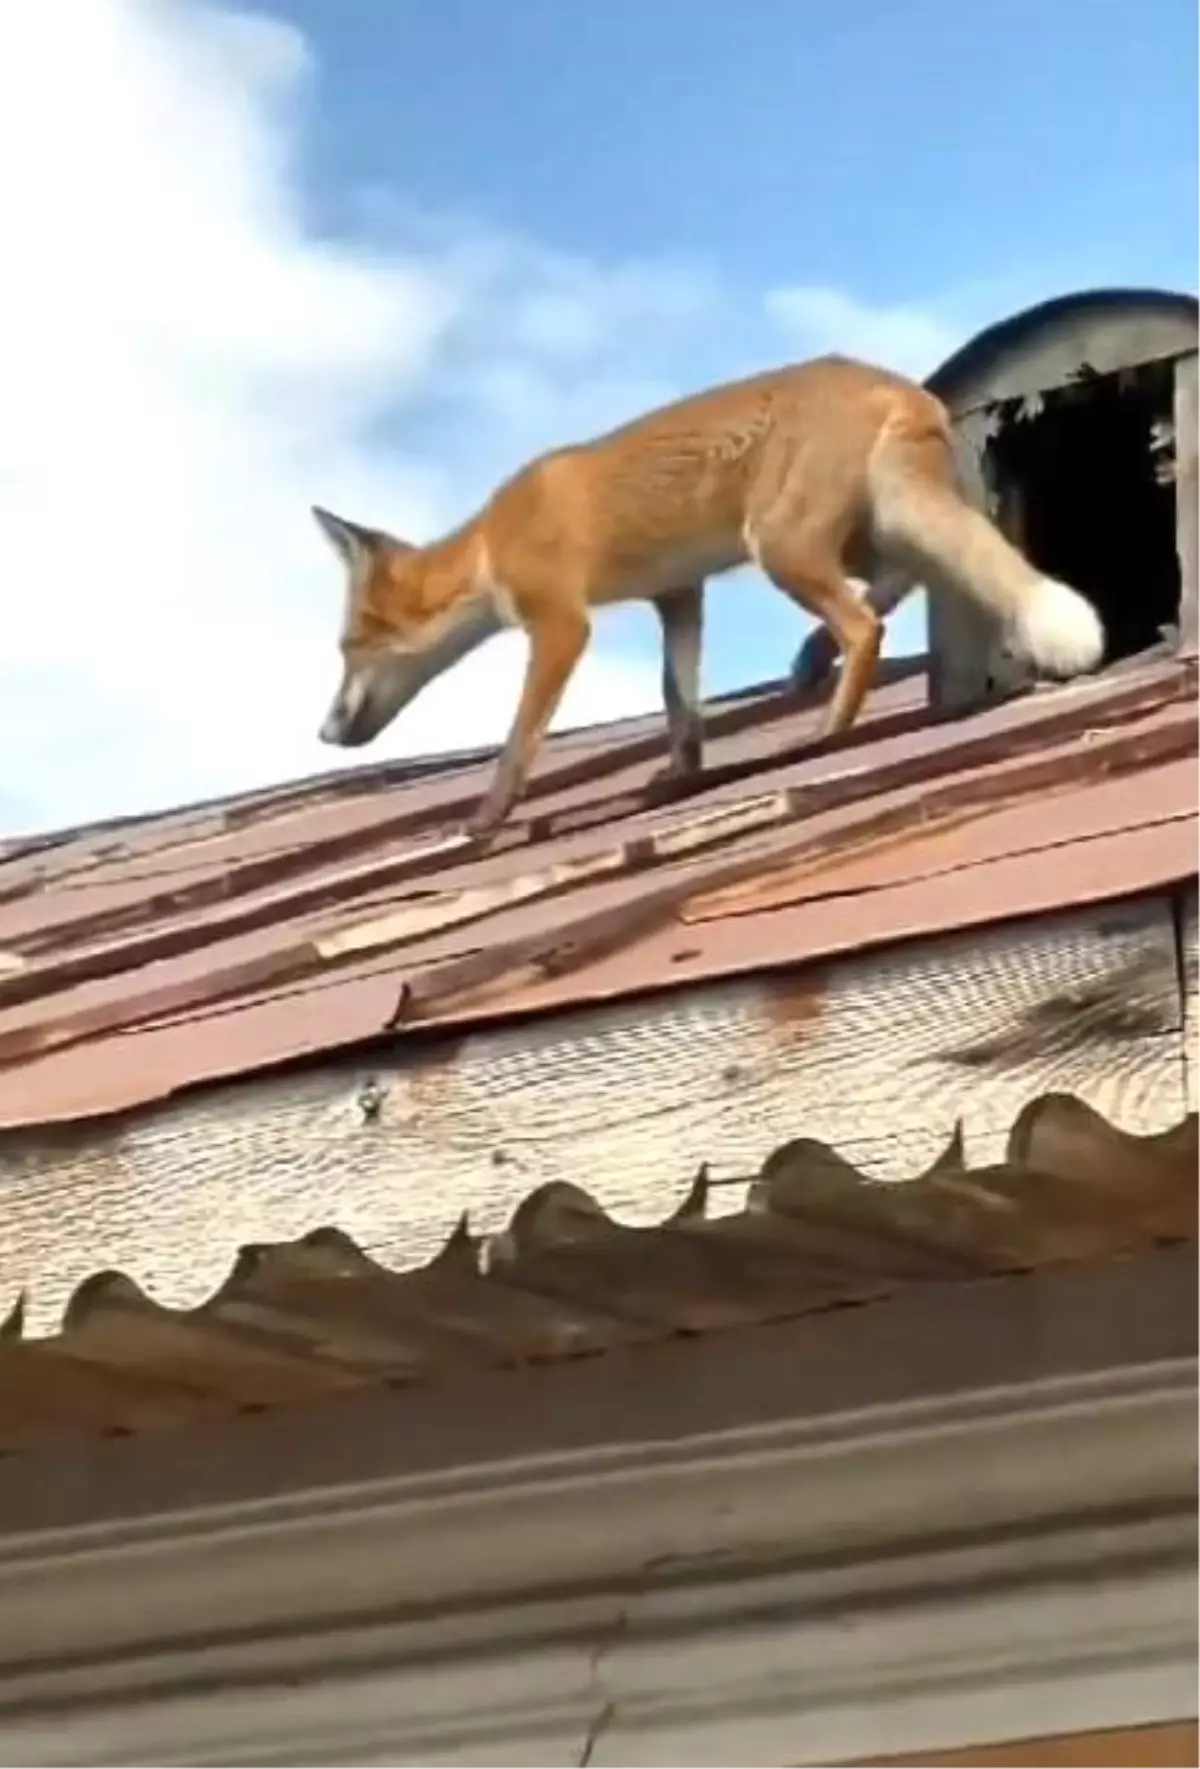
x: 297, y: 1321
x: 139, y: 959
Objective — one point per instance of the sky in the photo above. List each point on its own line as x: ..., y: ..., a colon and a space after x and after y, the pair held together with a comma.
x: 375, y: 253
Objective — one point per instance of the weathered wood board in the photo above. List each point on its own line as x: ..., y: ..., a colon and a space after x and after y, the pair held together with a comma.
x: 878, y: 1057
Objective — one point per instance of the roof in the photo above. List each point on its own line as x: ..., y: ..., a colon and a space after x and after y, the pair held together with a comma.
x: 1086, y: 323
x: 162, y: 953
x: 316, y: 1317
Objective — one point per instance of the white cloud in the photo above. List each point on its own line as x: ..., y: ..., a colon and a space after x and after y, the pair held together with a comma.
x: 186, y: 365
x: 913, y: 340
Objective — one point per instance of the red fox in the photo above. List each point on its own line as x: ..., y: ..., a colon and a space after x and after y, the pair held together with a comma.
x: 815, y: 473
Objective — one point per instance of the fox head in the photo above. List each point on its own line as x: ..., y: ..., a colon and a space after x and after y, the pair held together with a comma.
x: 392, y: 643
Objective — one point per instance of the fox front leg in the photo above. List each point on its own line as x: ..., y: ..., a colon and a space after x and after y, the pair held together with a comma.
x: 681, y: 615
x: 557, y: 640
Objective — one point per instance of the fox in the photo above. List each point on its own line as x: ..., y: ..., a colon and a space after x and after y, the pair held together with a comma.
x: 817, y: 473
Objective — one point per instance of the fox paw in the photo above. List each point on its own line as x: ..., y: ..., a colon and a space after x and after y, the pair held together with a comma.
x: 678, y: 771
x: 483, y: 825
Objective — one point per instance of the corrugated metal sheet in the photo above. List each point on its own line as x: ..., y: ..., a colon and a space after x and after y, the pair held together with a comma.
x: 296, y: 1321
x: 145, y: 957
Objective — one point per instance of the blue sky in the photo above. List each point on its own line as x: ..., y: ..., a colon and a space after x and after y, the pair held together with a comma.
x: 372, y: 253
x: 951, y: 159
x: 897, y: 150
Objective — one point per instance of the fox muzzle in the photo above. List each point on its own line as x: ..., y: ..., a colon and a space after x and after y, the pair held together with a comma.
x: 374, y: 689
x: 371, y: 694
x: 357, y: 714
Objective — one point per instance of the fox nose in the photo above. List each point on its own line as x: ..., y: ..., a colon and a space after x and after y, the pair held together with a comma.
x: 345, y: 710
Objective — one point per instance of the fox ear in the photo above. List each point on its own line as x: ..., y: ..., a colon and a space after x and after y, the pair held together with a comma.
x: 349, y: 540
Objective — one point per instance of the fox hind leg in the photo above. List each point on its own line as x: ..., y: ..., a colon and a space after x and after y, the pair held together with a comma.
x: 805, y: 563
x: 816, y: 660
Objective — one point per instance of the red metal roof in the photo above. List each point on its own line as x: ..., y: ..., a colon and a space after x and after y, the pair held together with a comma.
x: 142, y: 958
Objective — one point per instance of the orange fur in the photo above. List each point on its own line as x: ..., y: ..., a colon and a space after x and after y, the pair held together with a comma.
x: 816, y: 473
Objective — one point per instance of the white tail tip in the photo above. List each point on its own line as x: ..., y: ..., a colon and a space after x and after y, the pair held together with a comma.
x: 1057, y: 630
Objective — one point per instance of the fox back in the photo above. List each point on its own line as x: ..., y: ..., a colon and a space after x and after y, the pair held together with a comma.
x: 660, y: 501
x: 667, y: 499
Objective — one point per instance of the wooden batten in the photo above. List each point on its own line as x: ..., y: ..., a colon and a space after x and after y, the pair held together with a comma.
x: 880, y: 1057
x: 1187, y: 498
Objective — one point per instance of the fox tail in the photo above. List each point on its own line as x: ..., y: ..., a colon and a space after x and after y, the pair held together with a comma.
x: 921, y: 514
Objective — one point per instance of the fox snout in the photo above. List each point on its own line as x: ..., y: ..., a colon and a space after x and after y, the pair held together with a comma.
x: 376, y: 686
x: 374, y: 690
x: 359, y: 711
x: 340, y: 728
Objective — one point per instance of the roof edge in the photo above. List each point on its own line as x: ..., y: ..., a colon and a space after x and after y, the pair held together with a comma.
x: 1003, y: 332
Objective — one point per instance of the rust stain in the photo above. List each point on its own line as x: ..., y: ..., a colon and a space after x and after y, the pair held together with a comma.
x: 793, y: 1004
x: 429, y: 1081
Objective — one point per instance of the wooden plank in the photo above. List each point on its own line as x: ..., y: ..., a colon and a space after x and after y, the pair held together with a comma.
x: 1187, y: 498
x: 446, y: 909
x: 878, y: 1056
